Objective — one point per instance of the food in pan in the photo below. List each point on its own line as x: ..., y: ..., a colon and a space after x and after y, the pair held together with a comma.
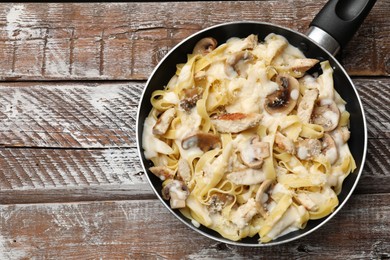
x: 246, y: 141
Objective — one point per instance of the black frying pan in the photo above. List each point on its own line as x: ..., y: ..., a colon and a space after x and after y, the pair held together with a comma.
x: 330, y: 30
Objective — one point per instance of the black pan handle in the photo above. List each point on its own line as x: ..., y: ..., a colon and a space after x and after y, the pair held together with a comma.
x: 340, y: 19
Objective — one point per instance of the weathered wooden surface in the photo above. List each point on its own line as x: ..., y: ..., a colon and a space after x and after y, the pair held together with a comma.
x: 125, y: 41
x: 146, y: 230
x: 71, y: 183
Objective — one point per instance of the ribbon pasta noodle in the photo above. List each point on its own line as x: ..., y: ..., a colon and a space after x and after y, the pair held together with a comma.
x: 246, y: 141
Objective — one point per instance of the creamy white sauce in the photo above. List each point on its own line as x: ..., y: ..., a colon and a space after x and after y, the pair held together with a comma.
x: 294, y: 94
x: 171, y: 97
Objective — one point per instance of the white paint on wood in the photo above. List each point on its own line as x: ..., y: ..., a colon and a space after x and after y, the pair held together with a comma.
x: 9, y: 252
x: 14, y: 19
x: 57, y: 59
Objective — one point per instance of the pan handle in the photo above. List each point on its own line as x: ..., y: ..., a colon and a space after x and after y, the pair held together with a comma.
x: 337, y: 22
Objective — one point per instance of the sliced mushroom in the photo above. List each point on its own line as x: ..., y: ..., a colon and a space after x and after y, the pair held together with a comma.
x: 304, y: 200
x: 260, y: 194
x: 329, y: 149
x: 236, y: 64
x: 284, y: 143
x: 306, y: 106
x: 205, y: 46
x: 176, y: 192
x: 254, y: 153
x: 205, y: 141
x: 327, y: 116
x: 191, y: 96
x: 163, y: 122
x: 246, y: 177
x: 235, y: 122
x: 218, y: 201
x: 162, y: 172
x: 308, y: 148
x: 285, y: 98
x: 184, y: 170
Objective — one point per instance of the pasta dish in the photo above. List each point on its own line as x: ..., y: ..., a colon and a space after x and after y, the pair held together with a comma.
x: 246, y: 141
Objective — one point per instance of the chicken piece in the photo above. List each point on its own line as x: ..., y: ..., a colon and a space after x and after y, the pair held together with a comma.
x: 162, y: 172
x: 300, y: 66
x: 244, y: 213
x: 341, y: 135
x: 305, y: 201
x: 163, y: 122
x: 184, y: 170
x: 235, y: 122
x: 284, y: 143
x: 246, y: 177
x: 327, y: 116
x: 306, y: 106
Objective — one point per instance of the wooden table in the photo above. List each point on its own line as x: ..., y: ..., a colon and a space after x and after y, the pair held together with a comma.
x: 71, y: 183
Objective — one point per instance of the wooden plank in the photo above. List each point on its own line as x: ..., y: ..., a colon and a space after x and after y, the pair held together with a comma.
x: 103, y: 115
x: 63, y: 175
x: 23, y: 169
x: 59, y: 41
x: 87, y: 115
x: 144, y: 229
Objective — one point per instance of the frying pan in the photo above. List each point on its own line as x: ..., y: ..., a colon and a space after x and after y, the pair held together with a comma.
x: 330, y: 30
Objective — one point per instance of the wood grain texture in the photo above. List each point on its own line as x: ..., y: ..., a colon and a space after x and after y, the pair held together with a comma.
x: 146, y: 230
x: 64, y: 115
x: 69, y: 141
x: 55, y: 175
x: 126, y: 40
x: 103, y: 115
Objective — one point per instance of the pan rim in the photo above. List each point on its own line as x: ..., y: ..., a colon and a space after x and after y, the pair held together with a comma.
x: 238, y: 243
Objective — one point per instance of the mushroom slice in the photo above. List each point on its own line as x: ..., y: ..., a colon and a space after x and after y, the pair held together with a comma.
x: 306, y: 106
x: 205, y: 46
x: 162, y: 172
x: 327, y: 116
x: 163, y: 122
x: 235, y: 122
x: 246, y: 177
x: 308, y: 148
x: 218, y: 201
x: 176, y: 192
x: 237, y: 63
x: 260, y: 197
x: 184, y: 170
x: 304, y: 200
x: 205, y: 141
x: 254, y: 153
x: 329, y: 149
x: 192, y: 95
x: 285, y: 98
x: 284, y: 143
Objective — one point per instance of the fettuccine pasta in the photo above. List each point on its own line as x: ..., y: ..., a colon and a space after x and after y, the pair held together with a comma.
x: 246, y: 141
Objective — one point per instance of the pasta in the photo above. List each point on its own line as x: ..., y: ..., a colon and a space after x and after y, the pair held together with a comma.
x: 246, y: 141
